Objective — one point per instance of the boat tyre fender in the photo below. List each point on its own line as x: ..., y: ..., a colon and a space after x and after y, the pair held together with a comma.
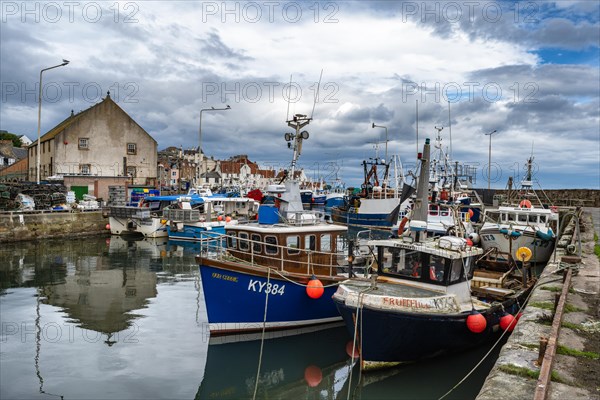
x: 402, y: 225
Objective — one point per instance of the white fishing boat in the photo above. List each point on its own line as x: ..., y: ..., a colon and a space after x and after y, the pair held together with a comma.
x: 527, y: 224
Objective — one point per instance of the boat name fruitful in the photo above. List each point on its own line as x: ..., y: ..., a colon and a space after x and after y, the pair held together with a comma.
x: 411, y: 303
x: 258, y: 286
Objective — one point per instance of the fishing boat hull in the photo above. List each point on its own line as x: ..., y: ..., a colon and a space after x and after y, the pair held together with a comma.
x: 396, y: 332
x: 198, y: 232
x: 370, y: 213
x: 239, y: 300
x: 508, y: 241
x: 147, y: 227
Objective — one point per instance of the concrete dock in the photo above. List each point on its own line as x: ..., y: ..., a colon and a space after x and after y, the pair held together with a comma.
x: 575, y: 368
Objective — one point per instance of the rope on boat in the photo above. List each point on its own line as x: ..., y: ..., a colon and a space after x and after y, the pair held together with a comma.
x: 262, y: 339
x: 358, y: 307
x: 521, y: 308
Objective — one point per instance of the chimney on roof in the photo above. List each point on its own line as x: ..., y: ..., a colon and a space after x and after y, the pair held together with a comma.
x: 72, y: 113
x: 108, y: 94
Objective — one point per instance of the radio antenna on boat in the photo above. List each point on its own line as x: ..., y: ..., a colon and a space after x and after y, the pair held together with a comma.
x: 316, y: 95
x: 417, y: 102
x: 287, y: 114
x: 450, y: 128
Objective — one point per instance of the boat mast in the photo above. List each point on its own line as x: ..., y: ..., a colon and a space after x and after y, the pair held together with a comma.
x: 421, y: 208
x: 298, y: 122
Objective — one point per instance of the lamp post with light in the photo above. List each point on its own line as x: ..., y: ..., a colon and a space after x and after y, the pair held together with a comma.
x: 386, y: 138
x: 39, y: 143
x: 200, y: 130
x: 490, y: 158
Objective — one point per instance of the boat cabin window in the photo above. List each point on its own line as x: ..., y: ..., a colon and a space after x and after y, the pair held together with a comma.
x: 433, y: 210
x: 256, y: 243
x: 401, y: 262
x: 413, y: 265
x: 271, y: 245
x: 293, y: 244
x: 510, y: 217
x: 437, y: 268
x: 459, y: 271
x: 522, y: 217
x: 310, y: 242
x: 542, y: 219
x: 243, y: 241
x: 231, y: 241
x: 326, y: 242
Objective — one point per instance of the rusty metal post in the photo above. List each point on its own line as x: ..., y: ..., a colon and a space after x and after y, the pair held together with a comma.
x: 543, y: 345
x: 543, y: 383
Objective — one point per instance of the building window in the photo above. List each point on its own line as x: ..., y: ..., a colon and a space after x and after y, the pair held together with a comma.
x: 131, y: 172
x: 131, y: 148
x: 85, y: 169
x: 83, y: 143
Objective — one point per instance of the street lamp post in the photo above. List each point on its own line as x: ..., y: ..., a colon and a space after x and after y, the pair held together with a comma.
x: 39, y: 143
x: 200, y: 131
x: 490, y: 158
x: 386, y: 138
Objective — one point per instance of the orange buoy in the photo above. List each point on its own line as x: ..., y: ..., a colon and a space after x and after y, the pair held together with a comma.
x: 228, y: 219
x: 476, y: 322
x: 508, y: 322
x: 107, y: 227
x: 220, y: 218
x: 469, y: 242
x: 525, y: 204
x: 314, y: 288
x: 313, y: 375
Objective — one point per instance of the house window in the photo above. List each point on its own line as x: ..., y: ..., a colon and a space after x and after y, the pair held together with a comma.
x: 131, y: 148
x: 131, y: 172
x: 83, y: 143
x: 85, y: 169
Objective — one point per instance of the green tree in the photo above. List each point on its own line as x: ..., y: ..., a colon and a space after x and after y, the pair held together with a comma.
x: 4, y: 135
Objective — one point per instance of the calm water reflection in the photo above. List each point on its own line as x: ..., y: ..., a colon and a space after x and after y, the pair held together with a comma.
x: 110, y: 318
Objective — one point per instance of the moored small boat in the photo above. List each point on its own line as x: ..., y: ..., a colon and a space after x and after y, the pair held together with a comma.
x: 277, y: 272
x: 429, y: 297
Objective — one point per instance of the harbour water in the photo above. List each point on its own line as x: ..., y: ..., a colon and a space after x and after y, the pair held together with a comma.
x: 107, y: 318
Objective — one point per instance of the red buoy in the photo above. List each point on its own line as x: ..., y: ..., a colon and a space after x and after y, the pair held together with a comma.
x: 476, y: 322
x: 507, y: 322
x: 313, y: 375
x: 349, y: 346
x: 519, y: 315
x: 107, y: 227
x: 314, y: 288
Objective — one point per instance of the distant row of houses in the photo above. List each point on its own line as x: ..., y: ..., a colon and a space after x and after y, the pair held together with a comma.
x: 103, y: 146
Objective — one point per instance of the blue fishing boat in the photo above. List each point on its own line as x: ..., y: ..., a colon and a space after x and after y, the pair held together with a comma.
x: 371, y: 206
x: 279, y: 271
x: 429, y: 296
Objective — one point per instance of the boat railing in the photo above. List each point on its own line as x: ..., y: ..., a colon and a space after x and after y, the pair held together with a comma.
x: 305, y: 261
x: 303, y: 218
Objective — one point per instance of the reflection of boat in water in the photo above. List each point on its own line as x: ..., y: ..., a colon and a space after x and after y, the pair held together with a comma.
x: 154, y: 247
x: 291, y: 366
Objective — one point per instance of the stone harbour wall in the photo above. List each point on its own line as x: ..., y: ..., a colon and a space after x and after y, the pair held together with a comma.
x: 15, y: 226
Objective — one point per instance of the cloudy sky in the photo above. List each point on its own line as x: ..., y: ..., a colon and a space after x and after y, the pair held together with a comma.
x: 529, y: 70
